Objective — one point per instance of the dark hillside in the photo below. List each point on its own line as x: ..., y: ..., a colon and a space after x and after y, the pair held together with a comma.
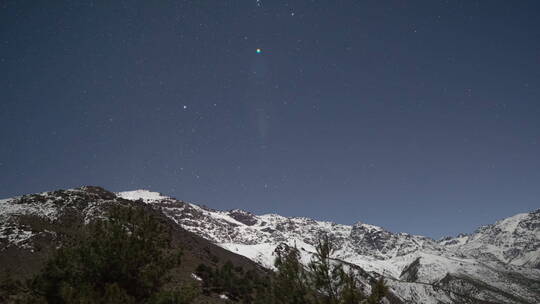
x: 37, y: 224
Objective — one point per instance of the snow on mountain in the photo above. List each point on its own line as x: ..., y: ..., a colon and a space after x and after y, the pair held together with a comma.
x: 145, y: 195
x: 47, y: 206
x: 514, y: 240
x: 497, y: 263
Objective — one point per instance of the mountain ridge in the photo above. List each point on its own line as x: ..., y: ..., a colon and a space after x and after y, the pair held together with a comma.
x: 497, y: 263
x: 471, y: 260
x: 243, y: 215
x: 142, y: 191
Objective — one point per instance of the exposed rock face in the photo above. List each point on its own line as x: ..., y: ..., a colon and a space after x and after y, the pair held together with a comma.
x: 410, y: 272
x: 373, y: 240
x: 498, y: 263
x: 243, y: 217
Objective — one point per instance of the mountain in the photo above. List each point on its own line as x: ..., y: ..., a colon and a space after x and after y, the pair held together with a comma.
x: 33, y: 226
x: 499, y: 263
x: 513, y: 241
x: 496, y: 264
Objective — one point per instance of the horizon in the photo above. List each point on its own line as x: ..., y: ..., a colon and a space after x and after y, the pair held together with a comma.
x: 420, y: 117
x: 201, y: 204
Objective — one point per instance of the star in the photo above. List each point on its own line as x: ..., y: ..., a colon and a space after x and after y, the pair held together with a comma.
x: 258, y: 51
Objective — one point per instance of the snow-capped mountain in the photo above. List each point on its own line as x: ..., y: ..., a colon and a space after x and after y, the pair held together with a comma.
x: 499, y: 263
x: 514, y: 241
x: 34, y: 226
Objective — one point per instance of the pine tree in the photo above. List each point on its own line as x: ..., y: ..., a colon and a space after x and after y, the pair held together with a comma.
x: 289, y: 284
x: 350, y: 292
x: 323, y: 281
x: 323, y: 274
x: 124, y: 258
x: 332, y: 284
x: 378, y: 291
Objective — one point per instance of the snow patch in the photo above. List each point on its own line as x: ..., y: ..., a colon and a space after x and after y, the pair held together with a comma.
x: 196, y: 277
x: 141, y: 194
x: 16, y: 235
x: 9, y: 207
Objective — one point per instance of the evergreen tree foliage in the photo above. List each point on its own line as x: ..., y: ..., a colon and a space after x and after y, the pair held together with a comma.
x: 14, y: 291
x: 323, y: 281
x: 350, y: 291
x: 290, y: 281
x: 378, y: 291
x: 124, y: 258
x: 323, y: 274
x: 234, y: 282
x: 332, y: 284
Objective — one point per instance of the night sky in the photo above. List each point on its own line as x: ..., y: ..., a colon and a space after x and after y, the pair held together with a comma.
x: 418, y: 116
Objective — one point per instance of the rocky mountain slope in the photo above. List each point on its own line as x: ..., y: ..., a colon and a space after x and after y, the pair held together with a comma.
x: 499, y: 263
x: 32, y: 226
x: 495, y: 264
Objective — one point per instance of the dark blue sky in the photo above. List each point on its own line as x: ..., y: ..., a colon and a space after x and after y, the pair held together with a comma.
x: 419, y: 116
